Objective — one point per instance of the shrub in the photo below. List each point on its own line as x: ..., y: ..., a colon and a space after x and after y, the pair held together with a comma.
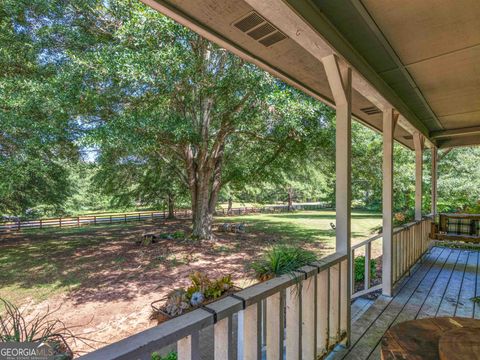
x: 360, y: 268
x: 281, y: 260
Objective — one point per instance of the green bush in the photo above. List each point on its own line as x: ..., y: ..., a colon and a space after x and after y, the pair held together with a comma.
x: 170, y: 356
x: 360, y: 268
x: 281, y: 260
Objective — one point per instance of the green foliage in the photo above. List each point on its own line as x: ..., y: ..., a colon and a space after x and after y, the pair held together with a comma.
x: 37, y: 130
x: 281, y: 259
x: 170, y: 356
x: 178, y: 235
x: 211, y: 289
x: 360, y: 268
x: 155, y: 102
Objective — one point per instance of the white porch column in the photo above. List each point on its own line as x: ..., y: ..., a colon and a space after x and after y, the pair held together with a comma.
x: 418, y: 142
x: 389, y: 122
x: 434, y: 180
x: 340, y: 81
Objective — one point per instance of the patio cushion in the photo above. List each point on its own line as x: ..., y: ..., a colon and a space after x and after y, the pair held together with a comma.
x: 460, y: 226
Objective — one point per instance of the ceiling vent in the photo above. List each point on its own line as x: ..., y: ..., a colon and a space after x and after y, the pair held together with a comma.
x: 259, y: 29
x: 371, y: 110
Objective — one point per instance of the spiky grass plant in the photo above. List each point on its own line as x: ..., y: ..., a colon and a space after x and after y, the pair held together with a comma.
x: 14, y: 327
x: 281, y: 259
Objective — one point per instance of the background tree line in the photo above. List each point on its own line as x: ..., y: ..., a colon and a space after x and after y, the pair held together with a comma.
x: 110, y: 105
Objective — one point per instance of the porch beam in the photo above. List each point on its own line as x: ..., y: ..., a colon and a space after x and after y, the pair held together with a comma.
x: 434, y: 179
x: 418, y: 141
x: 474, y: 130
x: 340, y: 80
x: 389, y: 122
x: 467, y: 140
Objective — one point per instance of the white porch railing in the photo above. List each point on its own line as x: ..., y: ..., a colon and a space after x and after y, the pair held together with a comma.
x: 409, y: 243
x: 304, y: 315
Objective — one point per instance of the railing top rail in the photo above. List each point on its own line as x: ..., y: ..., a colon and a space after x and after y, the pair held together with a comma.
x: 141, y: 345
x: 366, y: 241
x: 395, y: 231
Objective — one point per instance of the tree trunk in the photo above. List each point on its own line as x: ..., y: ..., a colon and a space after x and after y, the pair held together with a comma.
x: 290, y: 199
x: 203, y: 208
x: 171, y: 207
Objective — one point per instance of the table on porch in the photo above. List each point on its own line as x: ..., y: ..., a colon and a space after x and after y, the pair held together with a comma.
x: 444, y: 338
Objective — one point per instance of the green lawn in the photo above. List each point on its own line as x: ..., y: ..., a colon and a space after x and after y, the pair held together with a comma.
x: 308, y: 226
x: 38, y: 264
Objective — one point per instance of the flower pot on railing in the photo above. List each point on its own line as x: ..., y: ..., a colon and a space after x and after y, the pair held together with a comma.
x: 201, y: 292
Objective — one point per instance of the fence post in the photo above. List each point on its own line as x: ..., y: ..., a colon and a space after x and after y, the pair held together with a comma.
x: 110, y: 219
x: 125, y: 216
x: 41, y: 225
x: 78, y: 220
x: 95, y: 220
x: 60, y: 221
x: 138, y: 216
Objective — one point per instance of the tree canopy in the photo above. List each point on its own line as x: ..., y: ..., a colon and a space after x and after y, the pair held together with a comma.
x: 172, y: 118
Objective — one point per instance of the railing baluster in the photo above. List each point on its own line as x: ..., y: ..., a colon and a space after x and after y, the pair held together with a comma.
x: 323, y: 295
x: 187, y: 348
x: 308, y: 319
x: 252, y: 336
x: 345, y: 299
x: 223, y: 339
x: 274, y: 327
x: 334, y: 304
x: 293, y: 323
x: 394, y: 260
x: 368, y: 254
x: 352, y: 271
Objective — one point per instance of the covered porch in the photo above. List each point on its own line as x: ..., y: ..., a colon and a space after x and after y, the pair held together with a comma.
x: 398, y: 68
x: 441, y: 284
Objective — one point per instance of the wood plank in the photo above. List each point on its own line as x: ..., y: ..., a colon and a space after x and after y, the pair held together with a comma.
x: 223, y: 339
x: 434, y: 298
x: 188, y: 347
x: 323, y: 286
x: 251, y: 332
x: 465, y: 306
x: 292, y: 335
x: 359, y: 306
x: 417, y: 299
x: 369, y: 340
x: 308, y: 319
x: 334, y: 305
x: 450, y: 298
x: 274, y: 325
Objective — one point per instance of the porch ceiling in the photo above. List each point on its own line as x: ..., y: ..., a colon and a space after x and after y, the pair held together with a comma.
x: 423, y: 58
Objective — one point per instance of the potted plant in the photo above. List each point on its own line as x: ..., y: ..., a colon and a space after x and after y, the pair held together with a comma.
x: 201, y: 291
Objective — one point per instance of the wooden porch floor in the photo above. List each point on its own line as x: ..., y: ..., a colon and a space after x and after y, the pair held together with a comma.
x: 441, y: 285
